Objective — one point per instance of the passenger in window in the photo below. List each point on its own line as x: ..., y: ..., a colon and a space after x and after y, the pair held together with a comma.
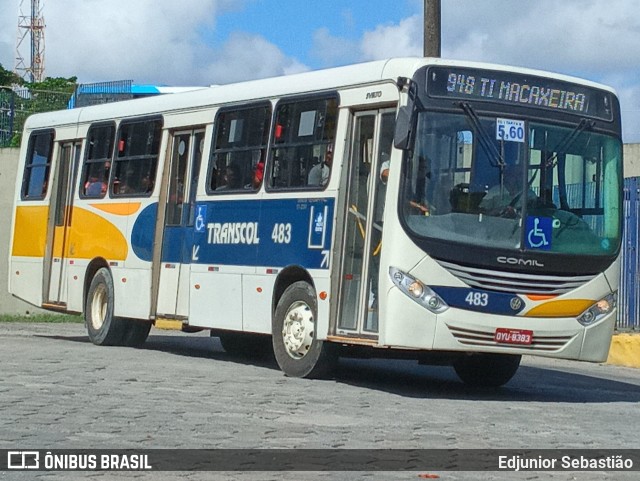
x: 94, y: 187
x: 147, y: 186
x: 319, y: 173
x: 258, y: 176
x: 232, y: 177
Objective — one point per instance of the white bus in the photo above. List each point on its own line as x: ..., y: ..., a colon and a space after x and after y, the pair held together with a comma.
x: 447, y: 211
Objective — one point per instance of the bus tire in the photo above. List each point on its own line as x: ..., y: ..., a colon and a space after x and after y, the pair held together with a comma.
x: 487, y: 370
x: 245, y: 344
x: 297, y: 350
x: 103, y: 327
x: 136, y: 332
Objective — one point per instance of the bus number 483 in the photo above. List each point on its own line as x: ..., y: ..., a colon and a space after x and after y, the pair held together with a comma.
x: 477, y: 299
x: 281, y: 233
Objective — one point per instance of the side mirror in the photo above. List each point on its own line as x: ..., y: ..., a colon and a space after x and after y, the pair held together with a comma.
x: 406, y: 113
x: 403, y: 128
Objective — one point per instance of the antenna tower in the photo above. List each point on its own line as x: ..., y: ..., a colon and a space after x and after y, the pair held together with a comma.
x: 30, y: 26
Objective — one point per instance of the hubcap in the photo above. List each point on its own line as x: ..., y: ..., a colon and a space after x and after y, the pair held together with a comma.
x: 298, y: 330
x: 99, y: 307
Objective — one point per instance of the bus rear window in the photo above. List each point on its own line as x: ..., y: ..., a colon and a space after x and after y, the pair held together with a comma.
x: 38, y: 166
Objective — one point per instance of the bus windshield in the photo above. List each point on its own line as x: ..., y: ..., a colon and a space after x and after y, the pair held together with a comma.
x: 513, y: 184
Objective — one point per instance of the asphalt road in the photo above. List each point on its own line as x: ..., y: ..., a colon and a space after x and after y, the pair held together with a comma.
x: 58, y: 391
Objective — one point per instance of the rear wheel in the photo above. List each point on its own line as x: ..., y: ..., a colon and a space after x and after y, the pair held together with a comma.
x: 245, y: 344
x: 487, y: 370
x: 297, y: 350
x: 103, y: 328
x: 136, y: 332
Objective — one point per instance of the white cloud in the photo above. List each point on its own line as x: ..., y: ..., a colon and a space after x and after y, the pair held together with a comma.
x: 578, y: 36
x: 246, y: 56
x: 148, y: 41
x: 145, y: 40
x: 404, y: 39
x: 333, y: 50
x: 389, y: 40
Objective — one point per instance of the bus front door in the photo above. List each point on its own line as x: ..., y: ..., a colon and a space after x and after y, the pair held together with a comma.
x: 172, y: 259
x: 59, y: 224
x: 372, y: 138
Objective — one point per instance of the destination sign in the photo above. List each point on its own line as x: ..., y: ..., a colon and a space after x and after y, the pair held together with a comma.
x: 517, y: 89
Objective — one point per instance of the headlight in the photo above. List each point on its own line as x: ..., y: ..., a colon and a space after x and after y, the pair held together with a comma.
x: 596, y: 312
x: 417, y: 291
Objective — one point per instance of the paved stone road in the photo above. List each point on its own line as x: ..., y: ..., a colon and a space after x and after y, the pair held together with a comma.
x: 58, y: 391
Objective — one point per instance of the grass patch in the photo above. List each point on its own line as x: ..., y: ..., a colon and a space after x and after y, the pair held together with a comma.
x: 50, y: 318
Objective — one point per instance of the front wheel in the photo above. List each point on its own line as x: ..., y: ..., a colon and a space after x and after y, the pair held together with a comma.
x: 487, y: 370
x: 297, y: 350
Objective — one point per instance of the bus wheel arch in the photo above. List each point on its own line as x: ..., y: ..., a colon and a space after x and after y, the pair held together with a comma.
x: 297, y: 350
x: 285, y: 278
x: 92, y: 268
x: 103, y: 327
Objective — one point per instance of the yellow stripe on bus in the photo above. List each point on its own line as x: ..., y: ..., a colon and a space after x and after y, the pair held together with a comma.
x: 124, y: 208
x: 30, y: 234
x: 563, y: 308
x: 94, y: 237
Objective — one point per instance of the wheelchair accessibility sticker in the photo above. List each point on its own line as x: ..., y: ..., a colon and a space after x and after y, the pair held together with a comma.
x: 200, y: 223
x: 538, y: 232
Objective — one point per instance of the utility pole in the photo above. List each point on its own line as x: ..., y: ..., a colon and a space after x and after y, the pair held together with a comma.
x: 432, y: 22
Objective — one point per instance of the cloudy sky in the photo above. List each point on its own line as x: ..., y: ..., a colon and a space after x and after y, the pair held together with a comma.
x: 203, y: 42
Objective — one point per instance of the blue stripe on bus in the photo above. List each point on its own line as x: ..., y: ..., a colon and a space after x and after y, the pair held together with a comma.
x: 272, y: 233
x: 480, y: 300
x: 143, y: 231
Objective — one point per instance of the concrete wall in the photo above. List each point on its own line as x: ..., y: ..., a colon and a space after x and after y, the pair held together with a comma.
x: 8, y: 166
x: 631, y: 155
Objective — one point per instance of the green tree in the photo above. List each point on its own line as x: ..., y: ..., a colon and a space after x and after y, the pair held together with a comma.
x: 9, y: 78
x: 54, y: 84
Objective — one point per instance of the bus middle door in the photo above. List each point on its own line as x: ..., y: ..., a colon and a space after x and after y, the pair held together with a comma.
x: 175, y: 255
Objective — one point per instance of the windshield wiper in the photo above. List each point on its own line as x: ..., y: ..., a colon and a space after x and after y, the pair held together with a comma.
x: 566, y: 142
x: 484, y: 139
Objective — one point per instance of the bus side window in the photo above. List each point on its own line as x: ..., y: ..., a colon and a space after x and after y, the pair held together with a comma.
x: 303, y: 139
x: 136, y: 160
x: 239, y: 149
x: 38, y: 165
x: 97, y: 164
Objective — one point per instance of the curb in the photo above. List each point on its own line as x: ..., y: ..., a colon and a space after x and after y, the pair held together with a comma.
x: 625, y: 350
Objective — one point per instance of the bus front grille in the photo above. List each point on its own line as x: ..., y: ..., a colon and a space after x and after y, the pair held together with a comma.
x: 515, y: 282
x: 472, y: 337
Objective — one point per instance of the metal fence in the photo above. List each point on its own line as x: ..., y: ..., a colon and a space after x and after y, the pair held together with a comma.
x: 16, y: 104
x: 629, y: 293
x: 101, y: 93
